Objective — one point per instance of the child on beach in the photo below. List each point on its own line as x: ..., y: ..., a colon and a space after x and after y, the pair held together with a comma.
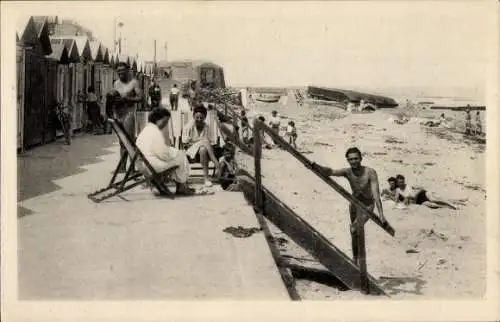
x: 291, y: 132
x: 226, y: 172
x: 244, y: 127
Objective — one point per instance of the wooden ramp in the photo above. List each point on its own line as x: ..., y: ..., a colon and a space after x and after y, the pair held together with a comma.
x: 307, y: 237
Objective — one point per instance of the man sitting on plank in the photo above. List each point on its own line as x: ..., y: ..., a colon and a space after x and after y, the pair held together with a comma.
x: 365, y: 187
x: 198, y: 141
x: 161, y: 156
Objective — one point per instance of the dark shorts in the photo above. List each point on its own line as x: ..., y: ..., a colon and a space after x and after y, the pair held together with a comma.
x: 370, y: 204
x: 421, y: 197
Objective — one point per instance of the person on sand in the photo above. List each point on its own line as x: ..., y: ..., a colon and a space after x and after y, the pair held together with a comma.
x: 291, y: 132
x: 417, y: 195
x: 468, y: 121
x: 226, y: 172
x: 390, y: 194
x: 198, y: 141
x: 245, y: 127
x: 174, y: 98
x: 154, y: 93
x: 364, y: 185
x: 161, y: 156
x: 479, y: 126
x: 267, y: 142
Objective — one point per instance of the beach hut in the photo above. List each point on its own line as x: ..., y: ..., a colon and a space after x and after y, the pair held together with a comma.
x: 69, y: 92
x: 107, y: 72
x: 81, y: 77
x: 121, y: 58
x: 20, y: 78
x: 33, y: 66
x: 133, y: 65
x: 60, y: 55
x: 205, y: 73
x: 96, y: 66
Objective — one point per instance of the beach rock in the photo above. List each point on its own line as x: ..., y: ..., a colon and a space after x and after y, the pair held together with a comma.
x: 441, y: 261
x: 412, y: 251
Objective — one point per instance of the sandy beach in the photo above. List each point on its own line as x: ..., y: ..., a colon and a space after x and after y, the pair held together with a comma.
x: 436, y: 253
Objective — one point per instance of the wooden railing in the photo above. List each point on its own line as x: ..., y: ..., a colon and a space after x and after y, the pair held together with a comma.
x: 260, y: 129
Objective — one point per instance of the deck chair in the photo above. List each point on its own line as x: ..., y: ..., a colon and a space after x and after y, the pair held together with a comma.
x: 217, y: 147
x: 132, y: 179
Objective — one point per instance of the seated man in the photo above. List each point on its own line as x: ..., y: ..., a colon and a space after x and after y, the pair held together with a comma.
x: 417, y: 195
x: 390, y: 194
x: 161, y: 156
x: 198, y: 142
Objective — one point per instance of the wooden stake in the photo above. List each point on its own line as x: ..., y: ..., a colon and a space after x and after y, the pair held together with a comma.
x: 257, y: 154
x: 360, y: 233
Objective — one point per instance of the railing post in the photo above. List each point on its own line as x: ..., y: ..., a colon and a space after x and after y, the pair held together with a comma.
x: 257, y: 154
x: 236, y: 133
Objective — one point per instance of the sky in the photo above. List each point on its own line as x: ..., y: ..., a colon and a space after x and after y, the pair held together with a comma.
x: 332, y: 43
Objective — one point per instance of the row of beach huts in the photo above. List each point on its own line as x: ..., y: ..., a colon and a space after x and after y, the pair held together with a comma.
x: 57, y: 60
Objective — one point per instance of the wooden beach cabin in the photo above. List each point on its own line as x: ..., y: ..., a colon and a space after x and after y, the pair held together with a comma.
x: 33, y: 47
x: 81, y: 78
x: 203, y: 74
x: 95, y: 66
x: 107, y: 74
x: 69, y: 91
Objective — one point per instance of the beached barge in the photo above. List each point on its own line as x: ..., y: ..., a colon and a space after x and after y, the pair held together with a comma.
x: 342, y: 95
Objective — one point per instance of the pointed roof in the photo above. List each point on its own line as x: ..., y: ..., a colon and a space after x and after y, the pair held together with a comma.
x: 36, y: 32
x: 70, y: 45
x: 96, y: 51
x: 105, y: 55
x: 83, y: 46
x: 133, y: 63
x: 17, y: 37
x: 81, y: 43
x: 122, y: 58
x: 112, y: 59
x: 59, y: 53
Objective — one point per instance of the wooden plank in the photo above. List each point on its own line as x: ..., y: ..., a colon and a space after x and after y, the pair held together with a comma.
x: 310, y: 165
x: 307, y: 237
x: 228, y: 109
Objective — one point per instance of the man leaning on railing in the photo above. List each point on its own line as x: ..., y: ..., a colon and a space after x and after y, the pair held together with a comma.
x: 364, y: 185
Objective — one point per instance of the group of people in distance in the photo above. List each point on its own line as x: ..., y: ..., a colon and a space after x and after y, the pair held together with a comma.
x: 274, y: 123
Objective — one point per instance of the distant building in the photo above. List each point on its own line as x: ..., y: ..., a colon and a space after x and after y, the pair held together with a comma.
x: 67, y: 27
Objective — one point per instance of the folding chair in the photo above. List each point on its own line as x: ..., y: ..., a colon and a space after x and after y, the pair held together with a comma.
x: 217, y: 147
x: 132, y: 179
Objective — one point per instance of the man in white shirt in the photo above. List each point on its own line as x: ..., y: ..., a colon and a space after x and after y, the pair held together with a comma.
x: 174, y: 97
x: 161, y: 156
x: 126, y: 94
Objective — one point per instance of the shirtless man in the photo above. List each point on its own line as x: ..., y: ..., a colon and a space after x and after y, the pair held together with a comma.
x: 124, y: 95
x: 364, y: 186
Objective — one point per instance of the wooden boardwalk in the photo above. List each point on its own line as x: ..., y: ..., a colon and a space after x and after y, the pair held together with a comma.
x: 138, y: 247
